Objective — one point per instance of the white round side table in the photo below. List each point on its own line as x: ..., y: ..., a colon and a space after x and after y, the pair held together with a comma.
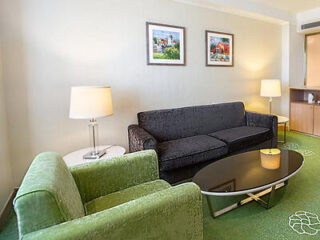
x: 76, y: 158
x: 284, y: 121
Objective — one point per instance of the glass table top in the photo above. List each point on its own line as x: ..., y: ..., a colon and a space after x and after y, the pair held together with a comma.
x: 244, y: 173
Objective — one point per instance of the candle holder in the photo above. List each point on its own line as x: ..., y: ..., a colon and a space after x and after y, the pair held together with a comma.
x: 270, y: 158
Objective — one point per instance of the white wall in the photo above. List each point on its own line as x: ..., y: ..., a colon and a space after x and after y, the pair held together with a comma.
x: 297, y: 62
x: 52, y: 45
x: 6, y: 180
x: 256, y: 10
x: 285, y: 78
x: 292, y: 64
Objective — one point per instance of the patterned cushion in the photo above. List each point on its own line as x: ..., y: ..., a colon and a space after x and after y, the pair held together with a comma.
x: 187, y: 151
x: 172, y: 124
x: 243, y: 137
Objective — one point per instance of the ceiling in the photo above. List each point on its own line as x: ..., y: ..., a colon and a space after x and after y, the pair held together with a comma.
x: 292, y: 6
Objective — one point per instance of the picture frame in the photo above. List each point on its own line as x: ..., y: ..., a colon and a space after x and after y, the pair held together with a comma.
x: 165, y: 44
x: 219, y: 49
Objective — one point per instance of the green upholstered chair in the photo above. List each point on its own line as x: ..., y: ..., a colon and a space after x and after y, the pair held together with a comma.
x: 118, y: 198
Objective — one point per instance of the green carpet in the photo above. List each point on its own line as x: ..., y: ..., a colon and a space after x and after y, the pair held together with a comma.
x: 301, y: 194
x: 252, y: 221
x: 10, y: 229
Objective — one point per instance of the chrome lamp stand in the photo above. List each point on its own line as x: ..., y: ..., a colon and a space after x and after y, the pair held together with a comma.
x: 93, y: 131
x: 270, y: 105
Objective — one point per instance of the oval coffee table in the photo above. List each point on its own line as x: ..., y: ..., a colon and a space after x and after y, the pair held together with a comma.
x: 243, y: 174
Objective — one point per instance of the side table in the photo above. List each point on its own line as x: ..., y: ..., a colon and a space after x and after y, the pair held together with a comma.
x: 76, y: 158
x: 284, y: 121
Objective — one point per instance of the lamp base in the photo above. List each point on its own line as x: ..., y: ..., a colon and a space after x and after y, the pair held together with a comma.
x: 94, y: 155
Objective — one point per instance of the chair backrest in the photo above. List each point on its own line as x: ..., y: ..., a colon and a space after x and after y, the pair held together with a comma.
x: 47, y: 196
x: 171, y: 124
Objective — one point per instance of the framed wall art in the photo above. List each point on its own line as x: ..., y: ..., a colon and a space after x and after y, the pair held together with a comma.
x: 165, y: 44
x: 219, y: 49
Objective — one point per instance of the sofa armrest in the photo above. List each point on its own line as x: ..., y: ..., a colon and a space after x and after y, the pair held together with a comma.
x: 140, y: 139
x: 174, y: 213
x: 266, y: 121
x: 105, y: 176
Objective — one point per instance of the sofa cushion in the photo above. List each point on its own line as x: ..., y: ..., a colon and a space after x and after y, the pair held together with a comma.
x: 172, y: 124
x: 126, y: 195
x: 187, y: 151
x: 242, y: 137
x: 48, y: 195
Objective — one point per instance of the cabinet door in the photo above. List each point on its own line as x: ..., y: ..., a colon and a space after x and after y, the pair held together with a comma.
x: 301, y: 117
x: 316, y: 121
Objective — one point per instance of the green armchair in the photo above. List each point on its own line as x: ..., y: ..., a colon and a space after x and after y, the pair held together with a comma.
x: 118, y: 198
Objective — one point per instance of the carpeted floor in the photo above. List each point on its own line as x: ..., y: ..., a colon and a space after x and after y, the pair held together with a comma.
x: 254, y: 222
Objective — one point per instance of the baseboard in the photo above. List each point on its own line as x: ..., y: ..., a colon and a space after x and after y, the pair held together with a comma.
x: 6, y: 210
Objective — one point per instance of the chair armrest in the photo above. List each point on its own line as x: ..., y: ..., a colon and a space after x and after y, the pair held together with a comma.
x: 140, y: 139
x: 174, y: 213
x: 105, y: 176
x: 264, y: 120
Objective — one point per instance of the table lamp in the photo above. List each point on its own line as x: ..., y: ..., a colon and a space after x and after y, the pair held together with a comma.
x: 270, y: 88
x: 91, y: 103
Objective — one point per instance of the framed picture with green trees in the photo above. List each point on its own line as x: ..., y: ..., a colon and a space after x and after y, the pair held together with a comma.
x: 219, y: 49
x: 165, y: 44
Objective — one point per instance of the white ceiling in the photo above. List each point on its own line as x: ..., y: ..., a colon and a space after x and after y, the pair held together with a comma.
x: 292, y: 6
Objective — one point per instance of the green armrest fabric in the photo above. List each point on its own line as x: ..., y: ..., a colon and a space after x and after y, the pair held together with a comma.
x: 174, y: 213
x: 103, y: 177
x: 47, y: 196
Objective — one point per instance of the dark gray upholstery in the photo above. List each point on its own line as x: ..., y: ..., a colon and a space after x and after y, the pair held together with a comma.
x: 188, y: 151
x: 242, y: 137
x: 140, y: 139
x: 186, y: 139
x: 178, y: 123
x: 266, y: 121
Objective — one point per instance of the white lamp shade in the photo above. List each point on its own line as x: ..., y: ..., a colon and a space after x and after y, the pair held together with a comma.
x: 270, y: 88
x: 90, y: 102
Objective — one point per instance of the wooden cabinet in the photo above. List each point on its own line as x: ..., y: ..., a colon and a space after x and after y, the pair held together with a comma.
x: 305, y: 117
x: 302, y: 117
x: 316, y: 120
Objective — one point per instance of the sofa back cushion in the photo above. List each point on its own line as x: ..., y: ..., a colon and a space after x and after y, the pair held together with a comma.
x: 171, y: 124
x: 47, y: 196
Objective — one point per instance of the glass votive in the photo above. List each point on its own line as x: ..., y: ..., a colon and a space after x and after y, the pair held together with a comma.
x: 270, y: 158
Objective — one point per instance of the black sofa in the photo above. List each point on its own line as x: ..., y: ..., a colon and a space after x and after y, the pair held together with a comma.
x: 186, y: 139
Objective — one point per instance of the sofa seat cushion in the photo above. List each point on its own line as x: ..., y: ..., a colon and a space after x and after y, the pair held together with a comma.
x: 188, y: 151
x: 126, y: 195
x: 242, y: 137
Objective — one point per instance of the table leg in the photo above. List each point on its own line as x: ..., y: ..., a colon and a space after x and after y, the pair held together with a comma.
x: 210, y: 206
x: 252, y: 197
x: 285, y: 133
x: 271, y: 197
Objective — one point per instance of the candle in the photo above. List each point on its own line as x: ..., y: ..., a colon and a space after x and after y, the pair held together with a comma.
x: 270, y: 158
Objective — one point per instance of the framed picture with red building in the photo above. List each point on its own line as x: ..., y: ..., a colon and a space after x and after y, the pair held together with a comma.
x: 219, y: 49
